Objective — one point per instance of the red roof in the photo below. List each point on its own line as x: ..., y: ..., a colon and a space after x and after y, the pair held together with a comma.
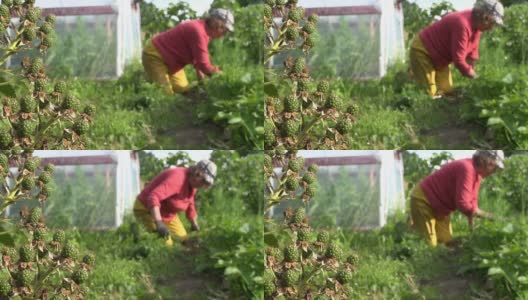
x: 340, y: 161
x: 340, y: 11
x: 343, y: 161
x: 80, y: 11
x: 79, y: 160
x: 343, y: 10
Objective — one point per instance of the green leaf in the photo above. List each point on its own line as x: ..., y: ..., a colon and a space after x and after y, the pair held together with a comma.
x: 6, y: 239
x: 235, y: 120
x: 6, y: 88
x: 231, y: 271
x: 508, y: 78
x: 6, y: 235
x: 495, y: 121
x: 246, y: 78
x: 271, y: 240
x: 508, y: 228
x: 271, y: 90
x: 495, y: 271
x: 484, y: 113
x: 522, y: 129
x: 259, y: 130
x: 245, y: 228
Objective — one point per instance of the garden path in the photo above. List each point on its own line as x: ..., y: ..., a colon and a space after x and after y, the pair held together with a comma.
x: 454, y: 133
x: 189, y: 284
x: 448, y: 283
x: 185, y: 132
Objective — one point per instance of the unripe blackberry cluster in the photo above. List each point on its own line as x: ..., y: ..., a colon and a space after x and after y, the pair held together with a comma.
x: 296, y: 180
x: 32, y: 25
x: 292, y: 268
x: 45, y: 116
x: 30, y: 180
x: 296, y: 30
x: 309, y: 116
x: 45, y: 266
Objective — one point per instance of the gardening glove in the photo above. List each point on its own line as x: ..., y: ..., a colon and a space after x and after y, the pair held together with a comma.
x: 162, y: 230
x: 195, y: 227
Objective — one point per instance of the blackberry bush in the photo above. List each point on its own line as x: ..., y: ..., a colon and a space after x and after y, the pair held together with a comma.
x: 42, y: 264
x: 299, y: 115
x: 309, y: 267
x: 301, y: 263
x: 36, y: 114
x: 44, y: 268
x: 30, y: 181
x: 291, y: 183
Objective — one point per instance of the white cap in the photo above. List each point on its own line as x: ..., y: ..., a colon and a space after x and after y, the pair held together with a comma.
x: 496, y: 155
x: 224, y: 15
x: 209, y: 170
x: 493, y: 7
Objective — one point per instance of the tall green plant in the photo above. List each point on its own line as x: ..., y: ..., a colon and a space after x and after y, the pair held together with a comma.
x: 497, y: 252
x: 509, y: 186
x: 300, y: 262
x: 300, y: 114
x: 155, y: 20
x: 150, y: 166
x: 232, y: 186
x: 513, y: 33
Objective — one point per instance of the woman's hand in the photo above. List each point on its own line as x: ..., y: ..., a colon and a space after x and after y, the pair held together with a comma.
x: 484, y: 214
x: 472, y: 74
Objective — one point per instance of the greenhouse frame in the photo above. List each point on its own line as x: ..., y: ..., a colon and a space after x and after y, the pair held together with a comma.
x: 358, y: 190
x: 97, y: 188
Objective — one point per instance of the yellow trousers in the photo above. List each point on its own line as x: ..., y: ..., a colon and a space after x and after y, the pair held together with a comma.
x: 144, y: 216
x: 436, y: 82
x: 434, y: 230
x: 157, y: 71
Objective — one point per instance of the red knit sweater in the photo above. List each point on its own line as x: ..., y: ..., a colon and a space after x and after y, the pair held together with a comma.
x: 452, y: 40
x: 185, y: 44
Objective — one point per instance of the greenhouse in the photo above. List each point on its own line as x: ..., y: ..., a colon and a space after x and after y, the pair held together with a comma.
x: 95, y: 38
x: 356, y: 189
x: 357, y: 39
x: 92, y: 189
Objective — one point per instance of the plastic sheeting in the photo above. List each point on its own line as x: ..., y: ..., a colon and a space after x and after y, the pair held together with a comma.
x: 360, y: 39
x: 356, y: 189
x: 91, y: 189
x: 96, y: 38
